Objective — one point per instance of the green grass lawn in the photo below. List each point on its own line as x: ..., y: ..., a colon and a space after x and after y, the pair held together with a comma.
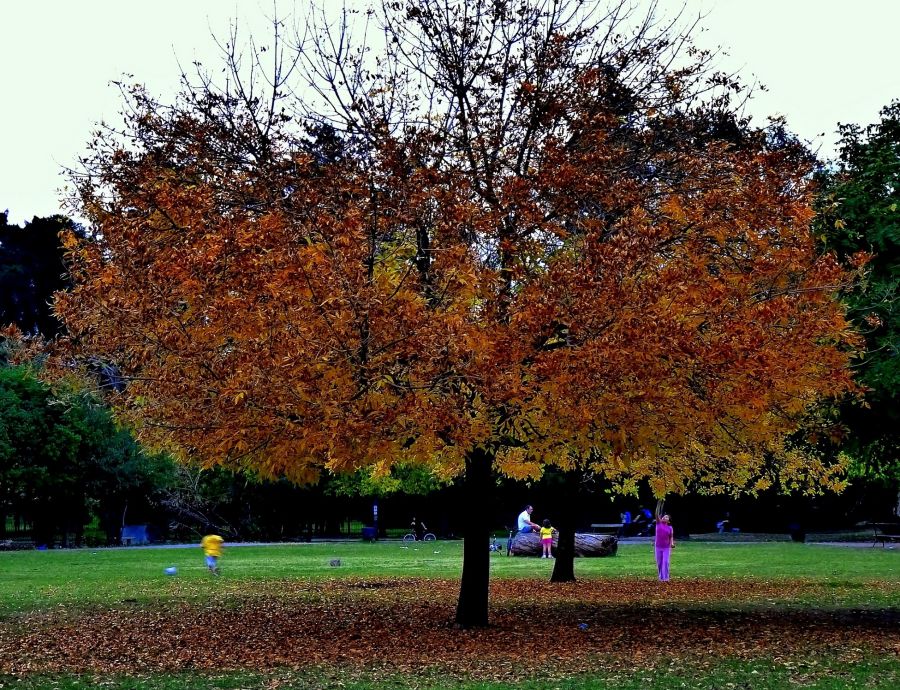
x: 840, y: 578
x: 764, y: 674
x: 32, y: 580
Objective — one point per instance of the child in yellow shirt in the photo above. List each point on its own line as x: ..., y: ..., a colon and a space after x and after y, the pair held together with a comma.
x: 547, y: 538
x: 212, y: 548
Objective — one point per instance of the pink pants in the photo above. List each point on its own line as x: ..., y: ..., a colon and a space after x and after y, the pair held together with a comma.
x: 662, y: 562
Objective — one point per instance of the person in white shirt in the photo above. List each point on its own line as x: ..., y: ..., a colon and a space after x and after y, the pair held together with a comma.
x: 524, y: 522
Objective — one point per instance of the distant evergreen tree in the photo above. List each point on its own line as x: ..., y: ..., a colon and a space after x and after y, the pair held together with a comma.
x: 31, y: 270
x: 63, y: 460
x: 859, y: 211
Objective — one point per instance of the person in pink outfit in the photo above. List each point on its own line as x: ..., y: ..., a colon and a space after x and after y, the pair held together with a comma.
x: 665, y: 542
x: 547, y: 532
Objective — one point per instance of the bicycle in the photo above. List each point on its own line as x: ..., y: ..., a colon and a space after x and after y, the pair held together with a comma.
x: 428, y: 536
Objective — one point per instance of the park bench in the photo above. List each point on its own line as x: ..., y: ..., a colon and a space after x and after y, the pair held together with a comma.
x: 16, y: 544
x: 885, y: 532
x: 614, y: 528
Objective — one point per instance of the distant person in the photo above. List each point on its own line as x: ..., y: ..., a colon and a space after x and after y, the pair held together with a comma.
x: 524, y: 522
x: 643, y: 522
x: 418, y: 528
x: 724, y: 525
x: 626, y: 522
x: 212, y: 549
x: 547, y: 532
x: 665, y: 542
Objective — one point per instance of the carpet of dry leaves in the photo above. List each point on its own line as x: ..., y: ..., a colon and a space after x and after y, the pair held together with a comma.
x: 406, y: 626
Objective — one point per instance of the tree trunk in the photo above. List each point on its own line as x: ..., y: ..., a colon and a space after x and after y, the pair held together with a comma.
x: 564, y: 566
x: 472, y: 607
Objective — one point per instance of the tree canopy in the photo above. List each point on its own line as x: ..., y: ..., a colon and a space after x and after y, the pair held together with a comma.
x: 31, y: 270
x: 537, y: 241
x: 860, y: 212
x: 62, y: 458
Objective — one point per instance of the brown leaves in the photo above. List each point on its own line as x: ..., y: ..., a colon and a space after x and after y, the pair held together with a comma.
x: 404, y: 624
x: 587, y: 276
x: 17, y: 348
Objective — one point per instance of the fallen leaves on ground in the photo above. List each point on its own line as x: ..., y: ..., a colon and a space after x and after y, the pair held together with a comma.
x: 406, y: 625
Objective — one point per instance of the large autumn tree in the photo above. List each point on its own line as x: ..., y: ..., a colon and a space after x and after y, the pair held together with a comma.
x: 526, y: 234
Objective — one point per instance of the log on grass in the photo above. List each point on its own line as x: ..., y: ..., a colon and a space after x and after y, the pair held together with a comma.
x: 586, y: 544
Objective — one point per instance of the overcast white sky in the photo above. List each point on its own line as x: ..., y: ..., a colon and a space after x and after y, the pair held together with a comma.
x: 823, y: 61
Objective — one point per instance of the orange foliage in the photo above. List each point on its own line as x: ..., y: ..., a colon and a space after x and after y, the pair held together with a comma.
x: 640, y: 298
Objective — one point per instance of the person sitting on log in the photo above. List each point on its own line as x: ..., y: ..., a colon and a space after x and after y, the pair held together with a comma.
x: 524, y: 522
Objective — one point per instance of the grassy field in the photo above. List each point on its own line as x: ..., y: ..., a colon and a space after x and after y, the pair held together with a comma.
x: 763, y: 674
x: 32, y: 580
x: 836, y: 609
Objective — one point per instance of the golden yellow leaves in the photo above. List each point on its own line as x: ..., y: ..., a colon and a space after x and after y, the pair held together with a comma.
x: 667, y: 322
x: 516, y: 463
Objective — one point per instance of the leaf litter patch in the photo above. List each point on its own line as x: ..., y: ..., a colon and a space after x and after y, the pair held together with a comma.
x: 406, y: 626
